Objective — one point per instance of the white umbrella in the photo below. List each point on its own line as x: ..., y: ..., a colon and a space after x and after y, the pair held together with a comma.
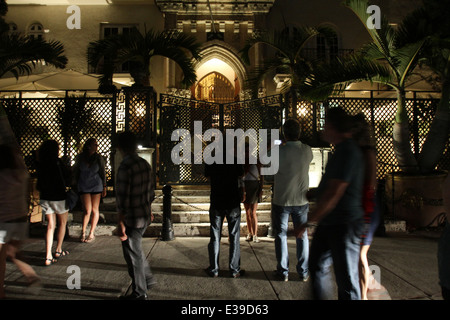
x: 54, y: 83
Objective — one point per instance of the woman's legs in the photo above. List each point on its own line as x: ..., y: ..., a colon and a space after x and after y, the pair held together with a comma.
x: 254, y: 219
x: 62, y: 219
x: 95, y: 204
x: 87, y: 209
x: 364, y: 271
x: 249, y: 219
x: 51, y: 224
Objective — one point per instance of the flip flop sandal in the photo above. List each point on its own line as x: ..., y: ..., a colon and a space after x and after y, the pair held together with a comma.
x: 59, y: 254
x: 49, y: 262
x: 89, y: 239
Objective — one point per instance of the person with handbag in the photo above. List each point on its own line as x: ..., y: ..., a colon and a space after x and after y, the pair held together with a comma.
x: 90, y: 181
x: 53, y: 196
x: 253, y: 183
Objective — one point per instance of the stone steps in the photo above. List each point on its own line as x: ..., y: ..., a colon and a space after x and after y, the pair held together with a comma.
x: 190, y: 216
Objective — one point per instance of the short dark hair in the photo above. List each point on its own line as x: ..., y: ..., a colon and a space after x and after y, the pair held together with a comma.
x: 127, y: 141
x: 340, y: 120
x: 291, y: 129
x: 48, y: 151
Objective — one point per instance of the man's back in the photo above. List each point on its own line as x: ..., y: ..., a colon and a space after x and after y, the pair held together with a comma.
x: 135, y: 190
x: 292, y: 179
x: 224, y: 184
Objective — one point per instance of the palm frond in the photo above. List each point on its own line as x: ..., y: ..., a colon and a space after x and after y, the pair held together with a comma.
x: 19, y: 54
x: 335, y: 76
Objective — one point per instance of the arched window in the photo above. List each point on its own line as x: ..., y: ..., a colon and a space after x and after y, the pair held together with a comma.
x: 36, y: 31
x: 12, y: 28
x: 215, y: 87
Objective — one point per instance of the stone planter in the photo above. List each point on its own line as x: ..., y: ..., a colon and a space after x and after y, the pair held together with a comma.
x: 416, y: 198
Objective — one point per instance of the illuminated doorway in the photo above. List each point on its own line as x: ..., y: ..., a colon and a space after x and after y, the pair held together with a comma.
x: 215, y: 87
x: 219, y: 79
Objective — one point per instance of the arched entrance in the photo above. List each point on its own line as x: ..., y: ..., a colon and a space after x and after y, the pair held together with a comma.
x: 214, y: 87
x: 219, y: 74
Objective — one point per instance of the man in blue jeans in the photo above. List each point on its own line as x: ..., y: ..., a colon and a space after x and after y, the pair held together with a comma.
x: 225, y: 203
x: 339, y: 214
x: 291, y: 183
x: 134, y: 196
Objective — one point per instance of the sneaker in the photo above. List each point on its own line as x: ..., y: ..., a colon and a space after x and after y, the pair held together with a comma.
x: 238, y: 274
x: 255, y: 239
x: 248, y: 238
x: 211, y: 273
x: 282, y: 277
x: 304, y: 278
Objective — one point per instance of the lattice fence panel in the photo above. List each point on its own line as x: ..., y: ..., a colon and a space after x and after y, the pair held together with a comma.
x: 380, y: 114
x: 38, y: 119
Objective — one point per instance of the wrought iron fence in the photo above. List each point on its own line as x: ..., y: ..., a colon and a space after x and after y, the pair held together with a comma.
x: 36, y: 119
x: 181, y: 113
x: 380, y: 114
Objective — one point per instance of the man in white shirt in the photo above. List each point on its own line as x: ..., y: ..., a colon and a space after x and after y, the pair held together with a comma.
x: 291, y: 183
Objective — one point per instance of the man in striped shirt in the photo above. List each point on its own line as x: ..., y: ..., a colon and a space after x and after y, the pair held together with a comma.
x: 134, y: 195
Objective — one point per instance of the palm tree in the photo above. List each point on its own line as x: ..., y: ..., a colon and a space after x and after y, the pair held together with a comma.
x: 385, y: 60
x: 289, y: 58
x: 74, y: 117
x: 20, y: 54
x: 137, y: 49
x: 431, y: 22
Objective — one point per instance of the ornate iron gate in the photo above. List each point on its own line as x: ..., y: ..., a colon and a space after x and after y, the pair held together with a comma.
x: 181, y: 113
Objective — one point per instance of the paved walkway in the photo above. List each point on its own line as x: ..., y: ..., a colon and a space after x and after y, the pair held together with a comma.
x: 406, y: 265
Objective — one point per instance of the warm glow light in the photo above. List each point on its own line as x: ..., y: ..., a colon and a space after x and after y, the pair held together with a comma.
x: 216, y: 65
x: 302, y: 109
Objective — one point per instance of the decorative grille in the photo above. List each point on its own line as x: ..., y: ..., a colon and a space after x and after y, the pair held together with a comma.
x: 181, y: 113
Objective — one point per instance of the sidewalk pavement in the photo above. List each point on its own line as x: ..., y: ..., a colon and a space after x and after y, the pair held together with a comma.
x: 406, y: 265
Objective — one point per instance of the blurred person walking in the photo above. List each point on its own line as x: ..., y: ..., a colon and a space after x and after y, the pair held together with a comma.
x: 14, y: 198
x: 134, y: 195
x: 339, y: 214
x: 90, y: 181
x: 364, y: 138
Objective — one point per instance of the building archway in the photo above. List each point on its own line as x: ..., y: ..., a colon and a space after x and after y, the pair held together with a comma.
x: 222, y: 71
x: 215, y: 87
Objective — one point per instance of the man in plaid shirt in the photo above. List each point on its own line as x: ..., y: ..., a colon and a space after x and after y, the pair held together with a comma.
x: 134, y: 195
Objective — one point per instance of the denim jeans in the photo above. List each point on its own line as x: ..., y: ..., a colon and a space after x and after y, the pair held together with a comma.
x: 216, y: 217
x: 337, y: 245
x: 138, y: 267
x: 280, y: 220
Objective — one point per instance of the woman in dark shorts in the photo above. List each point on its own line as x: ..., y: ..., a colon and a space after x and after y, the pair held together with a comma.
x: 364, y: 138
x: 252, y: 182
x: 90, y: 178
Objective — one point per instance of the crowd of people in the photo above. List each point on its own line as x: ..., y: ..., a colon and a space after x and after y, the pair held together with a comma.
x: 345, y: 216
